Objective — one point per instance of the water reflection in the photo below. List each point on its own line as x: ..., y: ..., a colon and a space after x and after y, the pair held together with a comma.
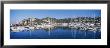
x: 56, y: 33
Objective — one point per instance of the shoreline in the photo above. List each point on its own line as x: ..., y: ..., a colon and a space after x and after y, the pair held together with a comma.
x: 77, y: 26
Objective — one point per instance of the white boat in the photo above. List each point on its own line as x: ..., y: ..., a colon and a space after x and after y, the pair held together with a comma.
x: 64, y: 24
x: 17, y: 29
x: 31, y: 27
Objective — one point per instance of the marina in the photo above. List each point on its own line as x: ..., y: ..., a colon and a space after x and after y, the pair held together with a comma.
x: 85, y: 24
x: 50, y: 30
x: 78, y: 26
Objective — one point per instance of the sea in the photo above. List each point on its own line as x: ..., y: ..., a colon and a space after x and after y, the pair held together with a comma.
x: 55, y: 33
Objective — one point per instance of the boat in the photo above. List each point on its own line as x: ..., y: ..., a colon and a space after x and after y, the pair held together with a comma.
x: 17, y: 29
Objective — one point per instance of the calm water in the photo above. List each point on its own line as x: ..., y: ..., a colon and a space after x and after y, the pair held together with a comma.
x: 56, y: 33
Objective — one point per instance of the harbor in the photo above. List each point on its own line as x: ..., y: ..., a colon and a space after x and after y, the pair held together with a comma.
x: 55, y: 24
x: 32, y: 24
x: 55, y: 30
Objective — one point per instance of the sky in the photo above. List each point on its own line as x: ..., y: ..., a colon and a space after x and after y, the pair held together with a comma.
x: 18, y: 15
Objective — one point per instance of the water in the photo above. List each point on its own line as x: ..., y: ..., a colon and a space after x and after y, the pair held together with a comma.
x: 56, y: 33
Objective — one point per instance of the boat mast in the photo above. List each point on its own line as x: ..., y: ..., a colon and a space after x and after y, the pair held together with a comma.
x: 94, y: 26
x: 49, y: 25
x: 71, y: 27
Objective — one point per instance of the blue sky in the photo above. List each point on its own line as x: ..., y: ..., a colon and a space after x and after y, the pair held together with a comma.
x: 18, y: 15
